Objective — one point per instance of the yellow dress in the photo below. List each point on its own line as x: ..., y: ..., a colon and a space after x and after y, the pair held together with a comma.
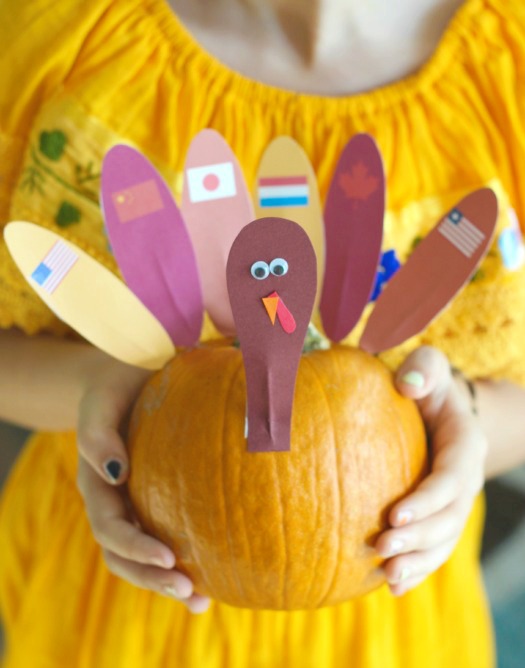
x: 77, y: 77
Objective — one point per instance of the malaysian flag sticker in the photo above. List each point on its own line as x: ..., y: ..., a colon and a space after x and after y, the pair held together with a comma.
x: 461, y: 233
x: 54, y: 267
x: 283, y: 191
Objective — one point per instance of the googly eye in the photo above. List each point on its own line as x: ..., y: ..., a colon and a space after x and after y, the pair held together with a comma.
x: 260, y: 270
x: 278, y: 267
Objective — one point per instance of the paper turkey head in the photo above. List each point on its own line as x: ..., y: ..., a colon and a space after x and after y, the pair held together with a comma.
x: 271, y: 276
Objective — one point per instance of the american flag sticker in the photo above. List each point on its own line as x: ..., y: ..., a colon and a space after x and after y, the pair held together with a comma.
x: 283, y: 191
x: 137, y: 201
x: 461, y: 233
x: 54, y: 267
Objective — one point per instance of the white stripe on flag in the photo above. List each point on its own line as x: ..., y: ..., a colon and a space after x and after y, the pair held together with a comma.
x: 464, y: 245
x: 463, y: 235
x: 283, y: 191
x: 60, y: 259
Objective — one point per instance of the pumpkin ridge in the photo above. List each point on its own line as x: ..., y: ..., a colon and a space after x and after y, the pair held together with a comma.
x: 170, y: 398
x: 196, y: 366
x: 283, y: 575
x: 308, y: 364
x: 406, y: 450
x: 339, y: 493
x: 224, y: 454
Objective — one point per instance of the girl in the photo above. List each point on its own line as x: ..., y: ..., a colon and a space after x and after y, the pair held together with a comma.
x: 440, y: 85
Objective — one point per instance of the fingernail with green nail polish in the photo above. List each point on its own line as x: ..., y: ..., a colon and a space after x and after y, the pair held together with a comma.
x: 414, y: 378
x: 171, y: 590
x: 404, y: 575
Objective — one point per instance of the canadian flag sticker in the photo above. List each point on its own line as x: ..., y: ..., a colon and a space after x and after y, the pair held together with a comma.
x: 211, y: 182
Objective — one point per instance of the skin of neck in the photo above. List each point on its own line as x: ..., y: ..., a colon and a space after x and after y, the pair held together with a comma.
x: 333, y: 47
x: 301, y: 23
x: 318, y: 29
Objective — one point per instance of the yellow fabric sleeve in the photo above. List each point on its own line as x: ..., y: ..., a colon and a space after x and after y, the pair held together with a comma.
x: 41, y: 44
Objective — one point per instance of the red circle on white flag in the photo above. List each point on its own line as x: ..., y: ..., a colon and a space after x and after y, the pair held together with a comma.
x: 211, y: 182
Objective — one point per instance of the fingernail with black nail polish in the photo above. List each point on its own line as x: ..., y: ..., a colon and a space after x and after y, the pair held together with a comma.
x: 113, y: 469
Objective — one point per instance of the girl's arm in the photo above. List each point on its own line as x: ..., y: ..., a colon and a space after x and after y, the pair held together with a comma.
x: 501, y: 409
x: 466, y: 448
x: 41, y: 380
x: 58, y: 385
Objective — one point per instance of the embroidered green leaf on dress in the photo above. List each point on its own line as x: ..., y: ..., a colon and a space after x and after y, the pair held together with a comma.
x: 52, y: 144
x: 33, y: 180
x: 86, y: 173
x: 67, y: 214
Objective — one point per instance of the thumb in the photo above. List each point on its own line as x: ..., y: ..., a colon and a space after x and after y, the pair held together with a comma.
x: 99, y: 440
x: 425, y: 376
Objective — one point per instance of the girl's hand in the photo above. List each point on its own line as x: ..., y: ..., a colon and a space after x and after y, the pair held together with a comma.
x: 109, y: 394
x: 427, y: 524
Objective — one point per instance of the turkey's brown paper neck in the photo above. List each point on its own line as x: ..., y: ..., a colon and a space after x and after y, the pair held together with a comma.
x: 271, y: 255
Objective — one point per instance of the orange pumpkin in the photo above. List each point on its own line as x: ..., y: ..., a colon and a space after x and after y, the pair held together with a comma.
x: 274, y: 530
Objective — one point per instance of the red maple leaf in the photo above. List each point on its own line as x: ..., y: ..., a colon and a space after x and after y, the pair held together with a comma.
x: 358, y: 184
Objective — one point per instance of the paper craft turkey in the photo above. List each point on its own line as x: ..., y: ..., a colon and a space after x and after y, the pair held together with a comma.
x: 285, y: 519
x: 270, y: 274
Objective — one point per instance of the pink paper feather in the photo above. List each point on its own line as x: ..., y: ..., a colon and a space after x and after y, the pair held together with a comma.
x: 151, y: 243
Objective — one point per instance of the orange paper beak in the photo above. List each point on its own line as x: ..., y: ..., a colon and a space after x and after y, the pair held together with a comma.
x: 270, y: 304
x: 275, y: 307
